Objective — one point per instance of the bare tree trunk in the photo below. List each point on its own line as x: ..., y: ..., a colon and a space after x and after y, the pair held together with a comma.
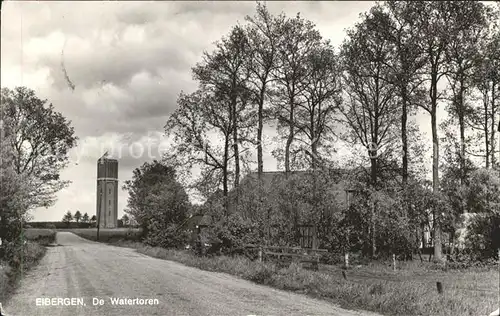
x: 289, y: 142
x: 435, y: 174
x: 225, y: 189
x: 493, y: 113
x: 404, y: 136
x: 260, y: 128
x: 488, y: 153
x: 234, y: 119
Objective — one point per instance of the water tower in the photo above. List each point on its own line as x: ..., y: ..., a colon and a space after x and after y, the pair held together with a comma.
x: 107, y: 192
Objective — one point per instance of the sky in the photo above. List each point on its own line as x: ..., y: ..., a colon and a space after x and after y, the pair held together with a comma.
x: 128, y: 62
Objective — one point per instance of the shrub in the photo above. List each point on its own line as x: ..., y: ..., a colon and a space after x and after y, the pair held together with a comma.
x: 483, y: 237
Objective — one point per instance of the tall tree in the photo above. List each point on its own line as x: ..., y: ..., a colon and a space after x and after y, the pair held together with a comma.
x: 433, y: 23
x: 224, y: 72
x: 320, y: 97
x: 263, y: 34
x: 486, y: 79
x: 409, y: 59
x: 468, y: 26
x: 370, y: 111
x: 199, y: 117
x: 43, y: 138
x: 298, y: 39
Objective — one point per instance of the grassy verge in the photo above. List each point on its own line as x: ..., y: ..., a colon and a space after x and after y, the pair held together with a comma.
x: 28, y: 256
x: 410, y: 290
x: 108, y: 235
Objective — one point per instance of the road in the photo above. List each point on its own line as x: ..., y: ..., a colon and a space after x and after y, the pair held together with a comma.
x: 88, y: 272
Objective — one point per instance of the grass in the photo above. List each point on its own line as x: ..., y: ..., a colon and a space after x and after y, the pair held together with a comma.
x: 30, y: 254
x: 41, y: 235
x: 109, y: 235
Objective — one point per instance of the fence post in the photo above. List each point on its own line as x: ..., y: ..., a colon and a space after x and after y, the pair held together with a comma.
x: 346, y: 260
x: 439, y: 287
x: 260, y: 254
x: 394, y: 262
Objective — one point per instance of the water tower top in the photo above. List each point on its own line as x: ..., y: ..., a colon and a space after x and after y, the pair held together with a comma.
x: 107, y: 168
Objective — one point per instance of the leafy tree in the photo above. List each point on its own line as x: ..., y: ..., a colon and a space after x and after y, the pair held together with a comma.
x: 77, y: 216
x: 67, y: 218
x: 93, y: 219
x: 371, y: 111
x: 156, y: 201
x: 85, y: 218
x: 263, y: 34
x: 14, y: 193
x: 225, y: 73
x: 125, y: 220
x: 468, y: 28
x: 43, y: 138
x: 199, y: 116
x: 299, y: 37
x: 405, y: 66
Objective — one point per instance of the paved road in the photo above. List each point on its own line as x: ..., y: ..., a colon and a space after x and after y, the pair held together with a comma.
x: 87, y: 271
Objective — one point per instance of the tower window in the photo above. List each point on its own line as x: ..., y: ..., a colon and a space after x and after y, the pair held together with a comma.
x: 109, y: 202
x: 109, y: 190
x: 109, y: 213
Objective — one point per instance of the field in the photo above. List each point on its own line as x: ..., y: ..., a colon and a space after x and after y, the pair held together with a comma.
x: 107, y: 234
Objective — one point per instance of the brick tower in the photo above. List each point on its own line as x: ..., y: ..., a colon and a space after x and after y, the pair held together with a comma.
x: 107, y: 192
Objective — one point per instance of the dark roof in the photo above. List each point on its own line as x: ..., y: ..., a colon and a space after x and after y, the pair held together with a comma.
x: 197, y: 220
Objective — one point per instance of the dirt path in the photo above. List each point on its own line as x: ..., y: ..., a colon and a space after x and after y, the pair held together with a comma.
x: 79, y: 268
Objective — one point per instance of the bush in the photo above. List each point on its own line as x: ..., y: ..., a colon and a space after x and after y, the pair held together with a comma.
x: 483, y: 237
x: 171, y: 237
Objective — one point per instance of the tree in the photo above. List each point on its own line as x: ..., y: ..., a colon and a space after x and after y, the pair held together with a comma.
x: 225, y: 73
x: 407, y: 62
x: 486, y: 80
x: 125, y: 220
x: 198, y: 117
x: 298, y: 40
x: 77, y: 216
x: 93, y: 219
x: 14, y: 194
x: 85, y: 218
x: 67, y: 218
x: 41, y: 142
x: 157, y: 201
x: 433, y: 24
x: 371, y: 110
x: 263, y: 35
x: 468, y: 28
x: 321, y: 97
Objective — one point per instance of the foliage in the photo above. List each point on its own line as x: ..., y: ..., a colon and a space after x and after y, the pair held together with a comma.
x: 67, y: 218
x: 41, y: 142
x: 156, y: 201
x: 77, y: 216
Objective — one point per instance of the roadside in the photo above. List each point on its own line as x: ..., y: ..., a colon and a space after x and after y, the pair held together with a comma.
x: 25, y: 259
x: 408, y: 291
